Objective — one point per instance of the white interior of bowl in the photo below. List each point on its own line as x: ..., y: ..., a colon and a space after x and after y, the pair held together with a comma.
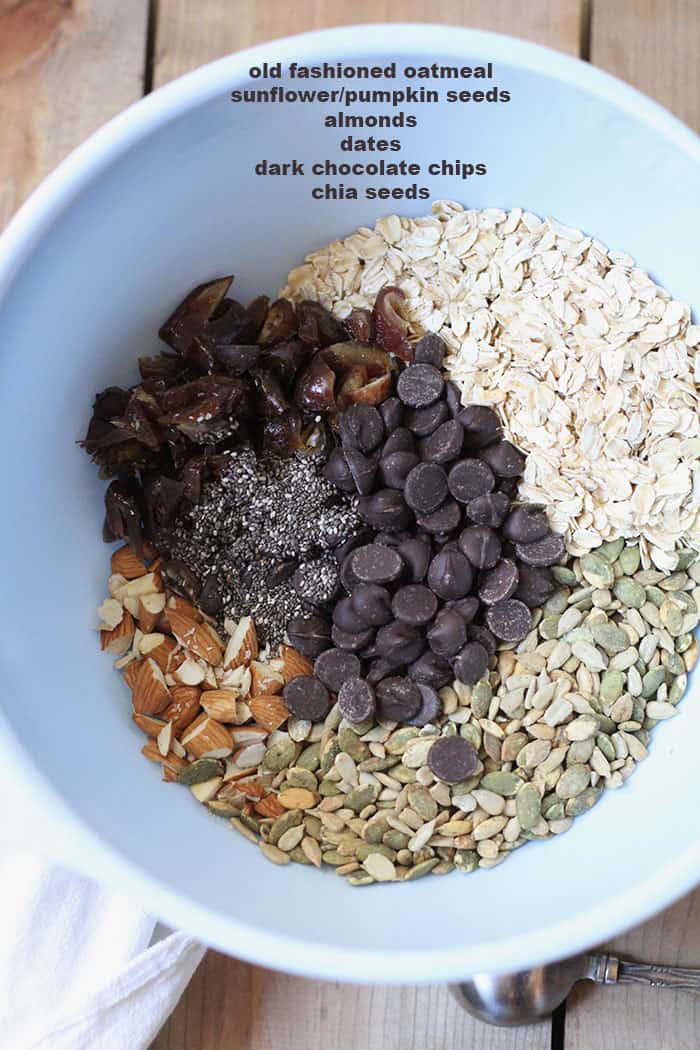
x: 163, y: 199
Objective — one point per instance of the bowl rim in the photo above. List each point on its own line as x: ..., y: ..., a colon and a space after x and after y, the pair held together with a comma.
x: 92, y: 852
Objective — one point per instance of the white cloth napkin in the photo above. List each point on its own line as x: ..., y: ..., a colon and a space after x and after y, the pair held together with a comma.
x: 80, y: 967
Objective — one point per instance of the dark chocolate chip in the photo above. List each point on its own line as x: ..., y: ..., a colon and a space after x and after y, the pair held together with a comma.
x: 471, y: 663
x: 385, y: 509
x: 309, y: 634
x: 338, y: 472
x: 399, y: 643
x: 535, y: 585
x: 372, y: 604
x: 430, y: 669
x: 363, y: 470
x: 423, y: 421
x: 425, y: 488
x: 358, y: 539
x: 481, y: 545
x: 453, y: 758
x: 453, y: 398
x: 526, y: 524
x: 379, y: 669
x: 347, y: 575
x: 481, y: 426
x: 376, y: 563
x: 391, y: 412
x: 430, y: 350
x: 414, y: 604
x: 349, y: 640
x: 546, y: 551
x: 307, y: 697
x: 510, y: 620
x: 489, y: 510
x: 419, y: 385
x: 430, y: 706
x: 466, y: 607
x: 444, y: 444
x: 395, y: 468
x: 361, y: 427
x: 356, y: 700
x: 470, y: 478
x: 400, y: 440
x: 442, y: 521
x: 398, y: 699
x: 476, y: 632
x: 416, y: 554
x: 497, y: 584
x: 335, y: 666
x: 450, y: 575
x: 505, y: 459
x: 508, y: 485
x: 345, y: 617
x: 448, y: 633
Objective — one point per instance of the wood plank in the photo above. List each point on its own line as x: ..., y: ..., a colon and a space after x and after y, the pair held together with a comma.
x: 654, y: 45
x: 190, y: 33
x: 65, y: 68
x: 619, y: 1018
x: 232, y: 1006
x: 229, y: 1005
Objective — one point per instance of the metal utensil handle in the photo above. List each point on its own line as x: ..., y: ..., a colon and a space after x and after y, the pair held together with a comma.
x: 680, y: 978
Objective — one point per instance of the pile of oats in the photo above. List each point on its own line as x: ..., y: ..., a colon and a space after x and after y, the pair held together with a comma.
x: 591, y: 365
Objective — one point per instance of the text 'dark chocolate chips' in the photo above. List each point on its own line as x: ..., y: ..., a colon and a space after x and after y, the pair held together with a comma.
x: 505, y: 459
x: 309, y: 634
x: 425, y: 488
x: 510, y: 620
x: 398, y: 699
x: 414, y: 604
x: 335, y: 666
x: 498, y: 583
x: 450, y: 575
x: 375, y: 563
x: 543, y: 552
x: 452, y: 758
x: 470, y: 478
x: 430, y: 708
x: 471, y: 663
x: 419, y: 385
x: 356, y: 700
x: 307, y: 697
x: 480, y: 545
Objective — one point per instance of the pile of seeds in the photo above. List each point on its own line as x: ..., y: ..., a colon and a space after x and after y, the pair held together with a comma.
x: 262, y: 533
x: 591, y: 365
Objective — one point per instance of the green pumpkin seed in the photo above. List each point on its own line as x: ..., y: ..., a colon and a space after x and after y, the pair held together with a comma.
x: 549, y: 627
x: 200, y: 770
x: 328, y: 788
x: 310, y: 758
x: 612, y: 684
x: 360, y: 797
x: 675, y: 582
x: 573, y: 781
x: 280, y: 755
x: 400, y: 739
x: 556, y: 603
x: 420, y: 800
x: 299, y: 777
x: 481, y: 699
x: 471, y: 733
x: 552, y: 808
x: 629, y: 592
x: 466, y: 860
x: 610, y: 638
x: 350, y: 743
x: 597, y: 570
x: 677, y: 688
x: 656, y: 596
x: 531, y: 755
x: 502, y: 782
x: 583, y: 802
x: 367, y: 849
x: 329, y: 753
x: 611, y: 550
x: 424, y: 868
x: 671, y: 617
x: 652, y: 680
x: 629, y: 560
x: 564, y: 576
x: 528, y: 806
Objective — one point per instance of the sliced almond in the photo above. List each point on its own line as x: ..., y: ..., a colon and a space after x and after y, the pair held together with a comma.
x: 242, y: 646
x: 148, y: 584
x: 293, y: 663
x: 207, y: 789
x: 220, y: 704
x: 127, y: 562
x: 210, y: 681
x: 131, y: 673
x: 163, y: 649
x: 249, y: 757
x: 205, y: 736
x: 183, y: 606
x: 183, y: 707
x: 110, y: 613
x: 255, y: 787
x: 248, y: 735
x: 269, y: 711
x: 119, y: 639
x: 190, y: 672
x: 199, y: 638
x: 150, y: 750
x: 148, y: 610
x: 269, y: 807
x: 164, y: 738
x: 150, y: 695
x: 172, y: 766
x: 148, y: 724
x: 264, y: 679
x: 115, y: 584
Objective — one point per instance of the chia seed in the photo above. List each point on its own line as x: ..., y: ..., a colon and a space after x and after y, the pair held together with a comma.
x: 256, y: 518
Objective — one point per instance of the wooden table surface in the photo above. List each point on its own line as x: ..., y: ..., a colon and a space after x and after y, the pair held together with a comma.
x: 66, y: 66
